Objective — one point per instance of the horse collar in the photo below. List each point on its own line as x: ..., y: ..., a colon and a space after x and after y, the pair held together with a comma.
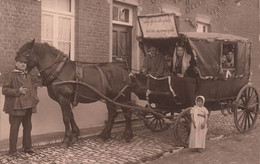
x: 55, y: 69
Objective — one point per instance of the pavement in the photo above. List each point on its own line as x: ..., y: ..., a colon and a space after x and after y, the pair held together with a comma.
x: 237, y: 148
x: 146, y: 145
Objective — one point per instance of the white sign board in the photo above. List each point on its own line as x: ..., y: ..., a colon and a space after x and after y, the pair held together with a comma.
x: 158, y: 26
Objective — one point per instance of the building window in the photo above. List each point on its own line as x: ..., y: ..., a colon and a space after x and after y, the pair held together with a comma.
x: 122, y: 15
x: 202, y: 27
x: 57, y: 26
x: 203, y: 22
x: 122, y: 34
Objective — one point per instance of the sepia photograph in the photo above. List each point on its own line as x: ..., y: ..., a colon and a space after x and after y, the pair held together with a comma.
x: 129, y: 81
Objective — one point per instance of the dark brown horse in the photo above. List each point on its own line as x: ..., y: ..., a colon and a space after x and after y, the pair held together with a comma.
x: 109, y: 79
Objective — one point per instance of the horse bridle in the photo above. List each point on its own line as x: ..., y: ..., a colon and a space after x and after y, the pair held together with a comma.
x: 52, y: 66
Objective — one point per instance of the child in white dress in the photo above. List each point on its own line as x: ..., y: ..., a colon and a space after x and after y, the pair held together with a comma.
x: 198, y: 131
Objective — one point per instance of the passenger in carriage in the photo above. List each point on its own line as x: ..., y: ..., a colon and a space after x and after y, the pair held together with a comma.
x: 183, y: 63
x: 224, y: 61
x: 230, y: 59
x: 154, y: 62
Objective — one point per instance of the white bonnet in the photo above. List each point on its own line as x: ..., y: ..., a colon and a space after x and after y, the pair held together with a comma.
x: 202, y: 97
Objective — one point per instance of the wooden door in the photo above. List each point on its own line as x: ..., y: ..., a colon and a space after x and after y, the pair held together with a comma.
x: 122, y: 46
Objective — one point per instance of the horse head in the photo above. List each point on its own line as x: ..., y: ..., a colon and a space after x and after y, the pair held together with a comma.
x: 27, y: 50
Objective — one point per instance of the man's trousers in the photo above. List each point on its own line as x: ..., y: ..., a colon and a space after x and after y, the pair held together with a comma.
x: 15, y: 122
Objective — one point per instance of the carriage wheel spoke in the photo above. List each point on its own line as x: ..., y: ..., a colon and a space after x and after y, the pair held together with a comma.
x: 183, y: 135
x: 241, y: 106
x: 184, y: 124
x: 182, y: 131
x: 160, y: 123
x: 242, y: 115
x: 152, y: 121
x: 243, y: 100
x: 243, y: 119
x: 255, y: 104
x: 248, y: 91
x: 252, y: 118
x: 187, y: 119
x: 182, y: 128
x: 248, y: 121
x: 252, y: 99
x: 156, y: 122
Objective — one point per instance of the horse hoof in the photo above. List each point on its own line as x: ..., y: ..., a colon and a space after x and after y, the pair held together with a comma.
x: 74, y: 139
x: 64, y: 145
x: 103, y: 137
x: 127, y: 140
x: 98, y: 139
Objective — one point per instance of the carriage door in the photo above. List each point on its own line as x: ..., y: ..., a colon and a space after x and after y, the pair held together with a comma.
x: 122, y: 35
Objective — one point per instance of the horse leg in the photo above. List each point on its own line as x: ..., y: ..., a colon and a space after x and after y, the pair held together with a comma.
x: 66, y: 112
x: 74, y: 127
x: 128, y: 134
x: 112, y: 113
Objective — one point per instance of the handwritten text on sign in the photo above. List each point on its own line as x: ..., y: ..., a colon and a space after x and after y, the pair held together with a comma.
x: 159, y: 26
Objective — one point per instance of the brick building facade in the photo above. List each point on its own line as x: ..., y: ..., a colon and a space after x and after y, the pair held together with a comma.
x: 21, y: 21
x: 98, y: 27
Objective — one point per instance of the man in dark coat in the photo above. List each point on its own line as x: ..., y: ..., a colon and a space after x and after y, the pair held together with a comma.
x: 20, y: 102
x: 154, y: 62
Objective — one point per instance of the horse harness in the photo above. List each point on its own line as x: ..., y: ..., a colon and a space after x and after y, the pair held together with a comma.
x: 79, y: 78
x: 55, y: 69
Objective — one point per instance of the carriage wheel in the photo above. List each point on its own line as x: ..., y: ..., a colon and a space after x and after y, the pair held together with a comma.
x: 246, y: 109
x: 182, y: 127
x: 156, y: 124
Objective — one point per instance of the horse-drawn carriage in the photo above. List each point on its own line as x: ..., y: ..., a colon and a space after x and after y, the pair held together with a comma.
x: 223, y: 86
x: 167, y: 96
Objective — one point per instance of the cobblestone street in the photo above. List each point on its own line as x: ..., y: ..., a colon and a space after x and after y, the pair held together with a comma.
x: 145, y: 146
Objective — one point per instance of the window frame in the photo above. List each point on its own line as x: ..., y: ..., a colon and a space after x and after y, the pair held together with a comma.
x: 203, y: 25
x: 64, y: 14
x: 227, y: 71
x: 130, y: 23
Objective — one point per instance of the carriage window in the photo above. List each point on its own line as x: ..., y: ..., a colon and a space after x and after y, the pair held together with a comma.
x: 228, y: 55
x: 228, y: 59
x: 58, y: 24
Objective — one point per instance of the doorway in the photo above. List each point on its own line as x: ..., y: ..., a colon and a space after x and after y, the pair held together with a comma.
x: 122, y: 48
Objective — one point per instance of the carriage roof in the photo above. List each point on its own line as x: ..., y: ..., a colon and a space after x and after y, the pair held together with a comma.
x: 214, y: 36
x: 202, y: 36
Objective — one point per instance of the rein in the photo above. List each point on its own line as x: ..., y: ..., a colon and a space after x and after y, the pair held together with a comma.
x: 52, y: 65
x: 55, y: 69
